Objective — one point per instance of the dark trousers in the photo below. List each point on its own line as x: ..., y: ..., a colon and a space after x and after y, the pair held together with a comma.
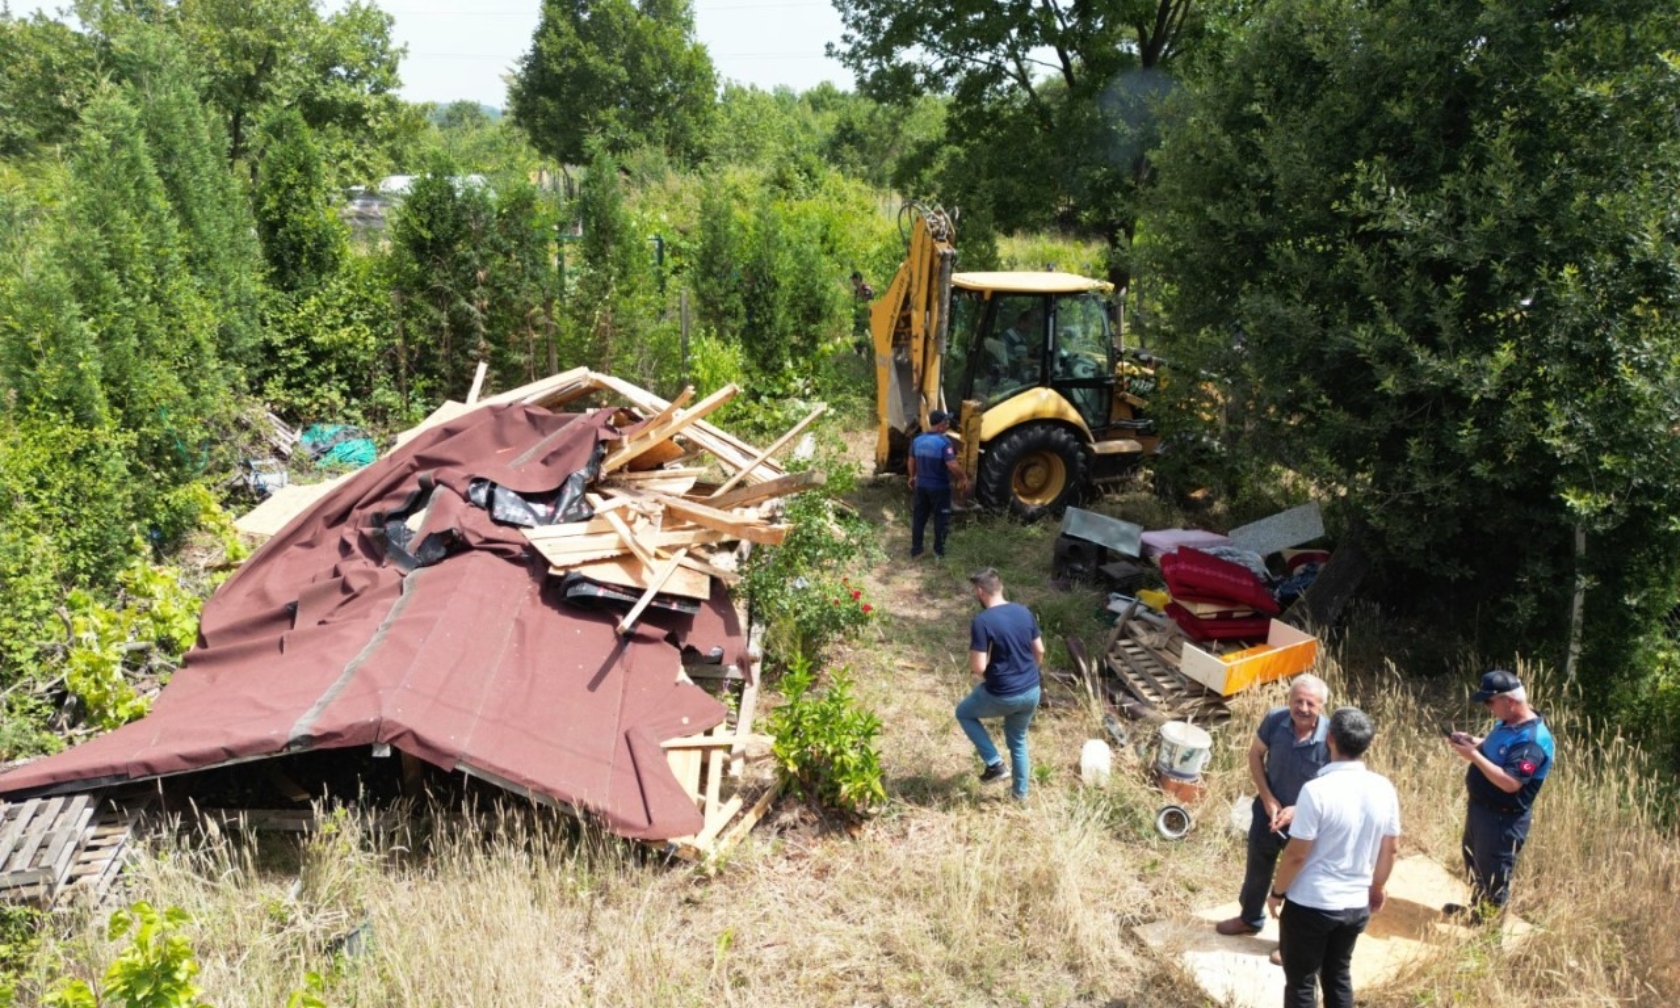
x: 1317, y: 947
x: 935, y: 502
x: 1492, y: 841
x: 1264, y: 846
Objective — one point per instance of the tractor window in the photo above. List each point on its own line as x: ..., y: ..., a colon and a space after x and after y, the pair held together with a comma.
x: 967, y: 310
x: 1012, y: 354
x: 1082, y: 340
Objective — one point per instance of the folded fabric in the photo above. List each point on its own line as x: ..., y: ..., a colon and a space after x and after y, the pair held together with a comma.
x: 1233, y: 628
x: 1160, y: 542
x: 1190, y: 573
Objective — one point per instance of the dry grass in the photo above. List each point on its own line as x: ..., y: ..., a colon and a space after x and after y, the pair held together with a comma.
x: 952, y: 896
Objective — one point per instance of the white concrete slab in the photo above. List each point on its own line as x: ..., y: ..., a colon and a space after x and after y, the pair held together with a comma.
x: 1238, y: 971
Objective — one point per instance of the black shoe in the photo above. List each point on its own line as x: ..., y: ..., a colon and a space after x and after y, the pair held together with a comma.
x: 1458, y: 913
x: 993, y: 772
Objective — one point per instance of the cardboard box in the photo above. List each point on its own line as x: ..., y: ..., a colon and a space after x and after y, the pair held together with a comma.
x: 1286, y: 652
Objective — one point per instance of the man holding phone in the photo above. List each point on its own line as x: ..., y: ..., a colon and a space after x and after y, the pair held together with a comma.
x: 1506, y: 771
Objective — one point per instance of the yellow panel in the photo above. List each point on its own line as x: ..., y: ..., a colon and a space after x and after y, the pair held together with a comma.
x: 1033, y: 404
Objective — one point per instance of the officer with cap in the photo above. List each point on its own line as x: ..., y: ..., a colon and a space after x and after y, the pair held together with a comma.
x: 933, y: 468
x: 1506, y: 771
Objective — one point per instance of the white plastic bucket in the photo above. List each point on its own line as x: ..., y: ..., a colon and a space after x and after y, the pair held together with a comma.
x: 1095, y: 762
x: 1184, y: 750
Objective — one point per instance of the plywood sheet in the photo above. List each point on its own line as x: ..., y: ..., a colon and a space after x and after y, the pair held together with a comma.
x: 286, y: 503
x: 1238, y: 971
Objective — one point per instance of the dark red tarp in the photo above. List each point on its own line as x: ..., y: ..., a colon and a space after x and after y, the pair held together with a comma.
x: 319, y: 641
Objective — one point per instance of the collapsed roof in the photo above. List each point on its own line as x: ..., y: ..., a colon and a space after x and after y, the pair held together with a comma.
x: 414, y: 606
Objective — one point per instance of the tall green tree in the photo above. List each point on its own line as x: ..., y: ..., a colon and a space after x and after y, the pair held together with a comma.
x: 440, y: 259
x: 609, y: 301
x: 188, y: 147
x: 302, y: 237
x: 624, y: 73
x: 1432, y: 247
x: 1053, y: 104
x: 122, y: 249
x: 47, y: 71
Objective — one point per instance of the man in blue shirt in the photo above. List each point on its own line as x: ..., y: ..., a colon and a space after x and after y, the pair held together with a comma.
x: 1506, y: 771
x: 1289, y: 748
x: 1004, y: 653
x: 933, y: 468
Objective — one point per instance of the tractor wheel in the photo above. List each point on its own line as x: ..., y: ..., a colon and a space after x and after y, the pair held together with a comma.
x: 1034, y: 470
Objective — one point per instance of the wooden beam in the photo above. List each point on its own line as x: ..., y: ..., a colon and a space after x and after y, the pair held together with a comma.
x: 715, y: 741
x: 665, y: 415
x: 655, y: 583
x: 738, y: 527
x: 657, y: 433
x: 477, y: 383
x: 775, y: 447
x: 781, y: 486
x: 723, y: 446
x: 622, y: 527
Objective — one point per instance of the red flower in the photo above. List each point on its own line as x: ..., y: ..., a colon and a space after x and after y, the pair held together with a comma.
x: 856, y: 594
x: 867, y: 607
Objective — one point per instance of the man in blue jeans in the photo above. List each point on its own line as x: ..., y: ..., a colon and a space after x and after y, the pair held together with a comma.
x: 933, y: 469
x: 1004, y: 652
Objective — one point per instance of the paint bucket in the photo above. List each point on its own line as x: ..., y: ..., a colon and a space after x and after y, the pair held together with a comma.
x: 1095, y: 762
x: 1184, y: 750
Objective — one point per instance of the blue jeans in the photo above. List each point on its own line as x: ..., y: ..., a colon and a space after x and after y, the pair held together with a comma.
x: 934, y: 502
x: 1017, y: 714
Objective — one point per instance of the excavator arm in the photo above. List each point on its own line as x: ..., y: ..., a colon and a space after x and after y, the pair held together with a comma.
x: 909, y: 324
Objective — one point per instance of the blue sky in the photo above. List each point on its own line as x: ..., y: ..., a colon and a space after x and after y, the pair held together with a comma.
x: 462, y: 49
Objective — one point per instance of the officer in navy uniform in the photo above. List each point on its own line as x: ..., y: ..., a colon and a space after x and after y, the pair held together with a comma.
x: 1506, y: 771
x: 933, y: 469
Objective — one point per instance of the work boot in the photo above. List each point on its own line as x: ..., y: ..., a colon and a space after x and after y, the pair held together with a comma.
x: 1236, y: 927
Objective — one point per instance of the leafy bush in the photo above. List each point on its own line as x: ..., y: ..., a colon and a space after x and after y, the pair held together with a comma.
x: 824, y: 743
x: 797, y: 590
x: 153, y: 623
x: 156, y: 970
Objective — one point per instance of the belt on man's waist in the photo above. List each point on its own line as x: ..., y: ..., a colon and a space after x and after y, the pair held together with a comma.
x: 1501, y: 809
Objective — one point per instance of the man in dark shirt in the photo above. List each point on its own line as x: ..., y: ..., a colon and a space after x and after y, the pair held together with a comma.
x: 1289, y: 748
x: 1506, y: 771
x: 1004, y: 653
x: 933, y: 468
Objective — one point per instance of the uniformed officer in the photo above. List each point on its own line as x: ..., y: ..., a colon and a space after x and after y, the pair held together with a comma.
x: 933, y: 470
x: 1506, y: 771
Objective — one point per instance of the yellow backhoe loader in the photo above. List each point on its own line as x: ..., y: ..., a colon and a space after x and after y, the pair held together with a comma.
x: 1043, y: 402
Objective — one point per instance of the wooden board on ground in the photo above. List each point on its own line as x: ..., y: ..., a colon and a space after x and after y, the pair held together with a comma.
x: 1238, y: 972
x: 286, y: 503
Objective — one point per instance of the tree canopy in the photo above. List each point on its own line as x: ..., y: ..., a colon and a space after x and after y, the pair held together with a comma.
x: 1431, y: 248
x: 1052, y: 104
x: 627, y: 73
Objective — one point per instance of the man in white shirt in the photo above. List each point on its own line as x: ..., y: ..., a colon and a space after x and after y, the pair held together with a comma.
x: 1331, y: 876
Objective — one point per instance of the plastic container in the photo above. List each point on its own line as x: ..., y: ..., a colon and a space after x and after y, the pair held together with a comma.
x: 1096, y: 762
x: 1185, y: 750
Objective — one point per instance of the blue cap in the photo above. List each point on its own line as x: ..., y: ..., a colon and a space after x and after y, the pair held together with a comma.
x: 1494, y: 683
x: 937, y: 417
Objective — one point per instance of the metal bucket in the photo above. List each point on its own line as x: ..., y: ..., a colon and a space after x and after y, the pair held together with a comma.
x: 1185, y: 750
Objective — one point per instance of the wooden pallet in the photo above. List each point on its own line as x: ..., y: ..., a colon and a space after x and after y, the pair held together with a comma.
x: 1146, y: 675
x: 65, y: 845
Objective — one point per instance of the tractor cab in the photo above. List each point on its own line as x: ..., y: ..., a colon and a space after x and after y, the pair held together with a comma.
x: 1014, y: 332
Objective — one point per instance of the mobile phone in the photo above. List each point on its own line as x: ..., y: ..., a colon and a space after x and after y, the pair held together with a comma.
x: 1448, y: 731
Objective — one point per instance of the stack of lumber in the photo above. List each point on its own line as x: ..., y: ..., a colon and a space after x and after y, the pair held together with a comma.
x: 69, y: 845
x: 659, y: 526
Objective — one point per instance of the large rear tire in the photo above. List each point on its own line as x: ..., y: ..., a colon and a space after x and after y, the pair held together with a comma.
x: 1034, y: 470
